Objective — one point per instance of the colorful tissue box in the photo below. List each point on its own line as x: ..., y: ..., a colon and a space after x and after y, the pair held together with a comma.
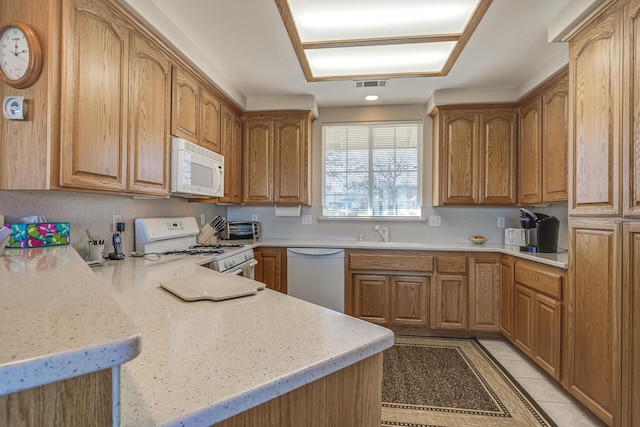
x: 38, y: 235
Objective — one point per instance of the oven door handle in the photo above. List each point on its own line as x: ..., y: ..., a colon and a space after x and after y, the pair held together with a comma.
x: 238, y: 271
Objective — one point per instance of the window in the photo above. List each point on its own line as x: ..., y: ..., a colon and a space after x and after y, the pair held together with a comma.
x: 372, y: 169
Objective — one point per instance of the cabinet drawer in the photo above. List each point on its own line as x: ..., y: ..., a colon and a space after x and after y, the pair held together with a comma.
x: 540, y: 279
x: 391, y: 262
x: 451, y: 264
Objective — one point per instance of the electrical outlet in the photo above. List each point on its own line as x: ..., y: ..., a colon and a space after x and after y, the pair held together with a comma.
x: 500, y: 222
x: 203, y: 219
x: 116, y: 220
x: 254, y: 217
x: 434, y: 221
x: 307, y: 219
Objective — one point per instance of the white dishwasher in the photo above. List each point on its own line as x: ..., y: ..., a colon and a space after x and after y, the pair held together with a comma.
x: 317, y: 275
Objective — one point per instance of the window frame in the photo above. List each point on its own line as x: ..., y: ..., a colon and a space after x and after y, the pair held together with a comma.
x: 420, y: 173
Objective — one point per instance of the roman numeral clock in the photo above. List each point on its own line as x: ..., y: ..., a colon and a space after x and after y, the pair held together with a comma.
x: 20, y: 64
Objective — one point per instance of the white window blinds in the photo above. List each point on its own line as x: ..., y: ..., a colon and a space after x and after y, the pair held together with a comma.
x: 372, y: 169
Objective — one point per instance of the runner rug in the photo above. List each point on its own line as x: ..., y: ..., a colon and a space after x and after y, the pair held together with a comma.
x: 451, y: 382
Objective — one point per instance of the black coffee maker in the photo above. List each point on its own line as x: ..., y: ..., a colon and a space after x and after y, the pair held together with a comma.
x: 542, y: 231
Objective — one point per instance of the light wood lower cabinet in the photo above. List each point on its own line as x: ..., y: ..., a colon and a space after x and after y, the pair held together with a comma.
x: 371, y: 298
x: 631, y: 328
x: 450, y: 302
x: 507, y: 289
x: 409, y: 300
x: 484, y: 296
x: 272, y: 267
x: 523, y: 300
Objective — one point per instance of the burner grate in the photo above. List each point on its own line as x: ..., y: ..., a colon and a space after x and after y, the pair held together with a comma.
x: 218, y: 246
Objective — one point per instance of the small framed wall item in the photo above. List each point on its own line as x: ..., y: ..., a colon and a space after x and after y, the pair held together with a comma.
x: 20, y: 54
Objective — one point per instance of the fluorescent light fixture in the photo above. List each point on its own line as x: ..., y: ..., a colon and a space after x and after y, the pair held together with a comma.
x: 340, y: 39
x: 372, y: 97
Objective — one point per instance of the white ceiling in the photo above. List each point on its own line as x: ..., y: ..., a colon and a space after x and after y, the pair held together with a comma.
x: 244, y: 47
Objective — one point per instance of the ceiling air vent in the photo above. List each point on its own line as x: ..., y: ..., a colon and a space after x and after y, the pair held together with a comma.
x: 370, y: 83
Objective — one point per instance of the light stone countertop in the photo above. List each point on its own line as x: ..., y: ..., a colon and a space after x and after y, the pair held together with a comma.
x: 205, y: 361
x: 556, y: 260
x: 57, y: 322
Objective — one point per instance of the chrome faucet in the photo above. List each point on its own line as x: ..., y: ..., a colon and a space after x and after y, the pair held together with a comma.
x: 383, y: 231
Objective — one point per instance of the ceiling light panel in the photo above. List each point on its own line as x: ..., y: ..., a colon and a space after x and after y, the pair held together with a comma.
x: 364, y: 19
x: 379, y: 60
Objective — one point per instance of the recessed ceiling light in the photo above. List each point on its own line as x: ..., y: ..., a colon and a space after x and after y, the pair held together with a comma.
x: 372, y: 97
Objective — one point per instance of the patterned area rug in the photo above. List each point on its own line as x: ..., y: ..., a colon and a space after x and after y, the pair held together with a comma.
x: 451, y: 382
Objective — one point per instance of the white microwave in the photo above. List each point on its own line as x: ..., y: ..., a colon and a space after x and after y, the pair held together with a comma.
x: 195, y: 171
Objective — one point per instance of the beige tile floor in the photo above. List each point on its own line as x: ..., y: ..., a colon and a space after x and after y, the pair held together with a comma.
x: 553, y: 399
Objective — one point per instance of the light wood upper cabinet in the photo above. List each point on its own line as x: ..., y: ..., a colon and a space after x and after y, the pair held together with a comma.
x: 93, y: 143
x: 149, y: 113
x: 595, y: 134
x: 231, y: 149
x: 631, y: 141
x: 277, y: 150
x: 195, y: 111
x: 185, y: 106
x: 543, y: 147
x: 474, y: 154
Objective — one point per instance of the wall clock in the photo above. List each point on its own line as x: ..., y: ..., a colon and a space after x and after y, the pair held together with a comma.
x: 20, y: 55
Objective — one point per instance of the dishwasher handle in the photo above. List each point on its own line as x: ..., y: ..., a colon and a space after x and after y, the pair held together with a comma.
x: 315, y: 252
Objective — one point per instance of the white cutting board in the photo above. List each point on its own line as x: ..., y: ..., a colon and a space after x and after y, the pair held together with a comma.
x: 211, y: 285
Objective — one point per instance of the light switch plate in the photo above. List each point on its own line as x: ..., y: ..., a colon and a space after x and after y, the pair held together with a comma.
x: 434, y: 221
x: 307, y: 219
x: 500, y: 222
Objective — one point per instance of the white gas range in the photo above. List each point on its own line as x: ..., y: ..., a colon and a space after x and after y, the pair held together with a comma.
x: 166, y: 237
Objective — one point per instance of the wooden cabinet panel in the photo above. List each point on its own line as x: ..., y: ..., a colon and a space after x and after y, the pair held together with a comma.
x: 507, y: 268
x: 450, y: 295
x: 594, y: 322
x: 631, y: 327
x: 539, y: 278
x: 289, y: 161
x: 523, y: 319
x: 498, y: 157
x: 258, y: 161
x: 555, y: 142
x: 231, y: 149
x: 272, y: 267
x: 210, y: 111
x: 410, y: 300
x: 594, y: 64
x: 459, y: 150
x: 631, y: 141
x: 530, y: 162
x: 451, y: 264
x: 547, y: 332
x: 149, y: 113
x: 391, y: 261
x: 185, y: 106
x: 371, y: 298
x: 484, y: 297
x: 93, y: 116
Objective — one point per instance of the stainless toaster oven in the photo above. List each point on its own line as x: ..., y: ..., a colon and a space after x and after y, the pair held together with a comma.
x: 242, y: 230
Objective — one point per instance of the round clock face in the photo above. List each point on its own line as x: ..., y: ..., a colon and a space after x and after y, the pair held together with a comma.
x: 14, y: 53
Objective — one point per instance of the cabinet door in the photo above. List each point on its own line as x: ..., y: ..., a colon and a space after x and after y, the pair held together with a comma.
x: 595, y: 70
x: 484, y: 297
x: 498, y: 160
x: 93, y: 116
x: 450, y: 300
x: 631, y: 332
x: 631, y: 155
x: 530, y: 162
x: 459, y: 159
x: 209, y: 121
x: 546, y: 334
x: 371, y: 298
x: 594, y: 316
x: 231, y: 149
x: 555, y: 142
x: 507, y: 267
x: 258, y: 161
x: 523, y: 319
x: 149, y: 110
x: 410, y: 300
x: 272, y: 268
x: 289, y: 161
x: 185, y: 104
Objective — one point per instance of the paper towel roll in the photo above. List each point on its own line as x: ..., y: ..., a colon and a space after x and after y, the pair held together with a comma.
x: 288, y: 210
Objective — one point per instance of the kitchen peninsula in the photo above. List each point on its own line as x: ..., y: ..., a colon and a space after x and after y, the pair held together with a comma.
x: 202, y: 362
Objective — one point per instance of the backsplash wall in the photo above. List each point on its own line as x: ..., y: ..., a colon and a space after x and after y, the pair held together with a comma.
x: 95, y: 212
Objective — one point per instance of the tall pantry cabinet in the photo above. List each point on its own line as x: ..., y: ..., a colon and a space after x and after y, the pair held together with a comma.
x: 604, y: 205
